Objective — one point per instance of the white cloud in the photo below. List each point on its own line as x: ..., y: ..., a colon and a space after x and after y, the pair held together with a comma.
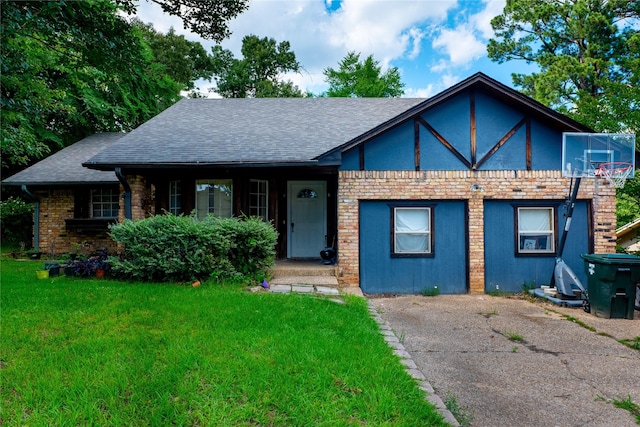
x: 460, y: 44
x: 415, y: 35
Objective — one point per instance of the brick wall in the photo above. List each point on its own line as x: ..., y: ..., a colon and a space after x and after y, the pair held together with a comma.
x: 56, y: 205
x: 457, y: 185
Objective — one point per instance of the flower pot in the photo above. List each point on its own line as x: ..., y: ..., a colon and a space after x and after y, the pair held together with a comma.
x: 42, y: 274
x: 100, y: 272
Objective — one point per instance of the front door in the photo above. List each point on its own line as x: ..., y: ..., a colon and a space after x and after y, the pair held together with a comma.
x: 307, y: 218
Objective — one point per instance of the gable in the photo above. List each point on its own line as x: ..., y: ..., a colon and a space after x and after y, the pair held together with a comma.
x: 477, y: 125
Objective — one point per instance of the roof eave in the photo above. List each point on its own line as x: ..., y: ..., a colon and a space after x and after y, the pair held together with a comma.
x: 201, y: 165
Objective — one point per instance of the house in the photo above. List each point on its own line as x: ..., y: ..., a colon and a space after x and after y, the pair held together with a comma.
x: 628, y: 236
x: 462, y: 191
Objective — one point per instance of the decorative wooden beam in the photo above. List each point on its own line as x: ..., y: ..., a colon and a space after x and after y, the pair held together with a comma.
x: 528, y: 143
x: 416, y: 142
x: 500, y: 143
x: 444, y: 142
x: 361, y: 150
x: 472, y: 117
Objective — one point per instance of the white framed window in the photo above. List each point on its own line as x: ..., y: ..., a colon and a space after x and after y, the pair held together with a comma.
x: 175, y: 197
x: 105, y: 203
x: 536, y: 230
x: 259, y: 198
x: 214, y: 197
x: 411, y: 229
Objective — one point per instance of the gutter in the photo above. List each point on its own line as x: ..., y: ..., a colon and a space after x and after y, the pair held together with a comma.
x: 127, y: 193
x: 36, y: 215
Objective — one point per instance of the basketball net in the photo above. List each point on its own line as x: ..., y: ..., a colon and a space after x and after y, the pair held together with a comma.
x: 615, y: 172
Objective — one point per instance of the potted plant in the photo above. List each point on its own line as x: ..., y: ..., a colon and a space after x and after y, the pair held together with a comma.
x: 34, y: 253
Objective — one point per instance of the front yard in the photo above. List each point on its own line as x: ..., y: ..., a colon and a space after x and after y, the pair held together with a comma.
x: 101, y: 352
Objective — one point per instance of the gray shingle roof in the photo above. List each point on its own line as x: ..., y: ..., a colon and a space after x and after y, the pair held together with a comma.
x: 249, y: 131
x: 65, y: 166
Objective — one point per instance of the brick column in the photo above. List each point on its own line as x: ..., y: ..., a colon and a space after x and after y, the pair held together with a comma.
x: 476, y: 243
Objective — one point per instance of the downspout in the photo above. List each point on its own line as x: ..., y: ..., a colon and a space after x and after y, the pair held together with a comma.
x: 36, y: 215
x: 127, y: 193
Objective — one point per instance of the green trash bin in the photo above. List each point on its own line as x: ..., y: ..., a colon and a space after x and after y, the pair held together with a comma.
x: 611, y: 284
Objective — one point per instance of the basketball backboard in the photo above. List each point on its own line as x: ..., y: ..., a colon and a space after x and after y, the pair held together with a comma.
x: 584, y: 153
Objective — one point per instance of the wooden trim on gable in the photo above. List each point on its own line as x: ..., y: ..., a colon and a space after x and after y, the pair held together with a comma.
x: 472, y: 121
x: 443, y: 141
x: 500, y: 143
x: 416, y: 142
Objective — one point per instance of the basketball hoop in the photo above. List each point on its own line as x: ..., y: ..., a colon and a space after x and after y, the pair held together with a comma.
x: 615, y: 172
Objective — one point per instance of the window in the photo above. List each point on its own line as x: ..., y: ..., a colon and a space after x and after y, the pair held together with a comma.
x: 175, y: 197
x: 536, y: 232
x: 214, y: 196
x: 412, y: 231
x: 258, y: 198
x: 104, y: 203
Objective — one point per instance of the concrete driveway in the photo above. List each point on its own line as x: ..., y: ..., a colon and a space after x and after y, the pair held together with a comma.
x: 513, y: 362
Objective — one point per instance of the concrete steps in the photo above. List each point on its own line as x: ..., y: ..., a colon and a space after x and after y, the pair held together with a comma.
x: 292, y: 272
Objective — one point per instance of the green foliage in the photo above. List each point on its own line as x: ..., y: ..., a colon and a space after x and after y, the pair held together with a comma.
x: 16, y: 220
x: 365, y: 79
x: 259, y: 73
x: 588, y: 53
x: 179, y: 248
x: 183, y: 60
x: 70, y: 69
x: 207, y: 18
x: 628, y: 405
x: 628, y: 201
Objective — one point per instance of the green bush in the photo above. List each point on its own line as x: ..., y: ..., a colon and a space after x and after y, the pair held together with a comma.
x: 179, y: 248
x: 16, y: 221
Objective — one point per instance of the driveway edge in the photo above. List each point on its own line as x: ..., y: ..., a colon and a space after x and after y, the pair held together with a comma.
x: 415, y: 373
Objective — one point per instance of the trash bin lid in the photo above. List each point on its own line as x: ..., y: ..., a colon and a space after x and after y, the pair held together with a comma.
x: 612, y: 258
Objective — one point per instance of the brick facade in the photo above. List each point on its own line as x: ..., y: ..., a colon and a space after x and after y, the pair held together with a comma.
x: 57, y: 205
x: 457, y: 185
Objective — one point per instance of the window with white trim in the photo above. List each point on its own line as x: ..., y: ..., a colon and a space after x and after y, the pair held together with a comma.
x: 214, y: 197
x: 259, y: 198
x: 105, y: 203
x: 412, y: 234
x: 536, y: 233
x: 175, y: 197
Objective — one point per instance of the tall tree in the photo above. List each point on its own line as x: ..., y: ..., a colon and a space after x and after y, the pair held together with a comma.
x: 259, y: 74
x: 355, y: 78
x: 588, y: 54
x: 72, y: 68
x: 183, y: 60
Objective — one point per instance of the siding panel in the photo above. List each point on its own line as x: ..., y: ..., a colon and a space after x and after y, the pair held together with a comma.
x: 382, y: 274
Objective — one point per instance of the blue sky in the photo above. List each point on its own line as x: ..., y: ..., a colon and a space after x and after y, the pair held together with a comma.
x: 434, y: 43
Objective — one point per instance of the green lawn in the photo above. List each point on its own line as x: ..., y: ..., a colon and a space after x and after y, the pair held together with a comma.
x: 102, y: 352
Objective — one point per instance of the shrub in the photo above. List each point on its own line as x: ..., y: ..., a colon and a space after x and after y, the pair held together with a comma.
x: 179, y: 248
x: 16, y: 221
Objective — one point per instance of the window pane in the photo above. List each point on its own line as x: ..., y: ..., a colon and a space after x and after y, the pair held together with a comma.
x: 535, y: 230
x: 412, y: 230
x: 258, y: 198
x: 214, y: 197
x: 105, y: 203
x: 412, y: 220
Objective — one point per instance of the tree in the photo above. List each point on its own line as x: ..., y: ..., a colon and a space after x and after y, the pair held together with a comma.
x: 183, y: 60
x: 362, y: 79
x: 588, y: 53
x: 70, y: 69
x: 259, y: 73
x: 207, y: 18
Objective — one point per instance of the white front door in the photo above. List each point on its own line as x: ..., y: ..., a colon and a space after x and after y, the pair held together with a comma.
x: 307, y: 218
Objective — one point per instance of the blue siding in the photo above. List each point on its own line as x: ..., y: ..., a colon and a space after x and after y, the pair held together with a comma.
x: 452, y: 121
x: 393, y: 150
x: 546, y: 147
x: 434, y: 155
x: 351, y: 160
x: 512, y: 155
x: 507, y: 273
x: 379, y: 273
